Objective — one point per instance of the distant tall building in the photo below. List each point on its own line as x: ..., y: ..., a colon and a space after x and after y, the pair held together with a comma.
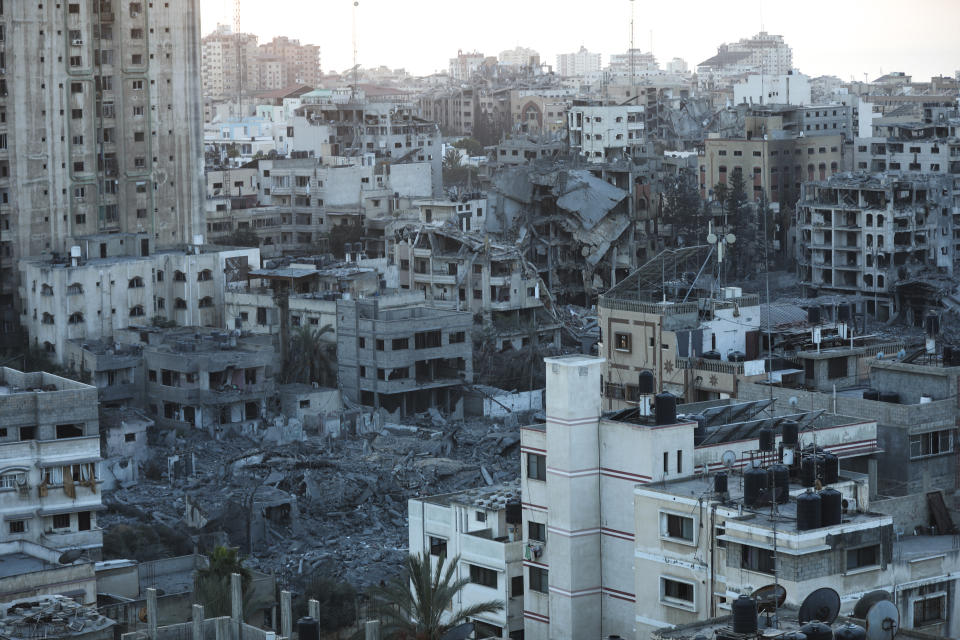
x: 298, y: 63
x: 101, y: 127
x: 222, y: 76
x: 519, y: 57
x: 763, y: 52
x: 577, y: 64
x: 465, y: 65
x: 677, y: 65
x: 633, y: 60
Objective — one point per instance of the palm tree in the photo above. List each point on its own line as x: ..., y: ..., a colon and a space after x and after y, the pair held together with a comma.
x: 309, y: 357
x: 422, y: 600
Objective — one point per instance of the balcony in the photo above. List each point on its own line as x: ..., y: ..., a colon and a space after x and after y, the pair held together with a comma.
x: 73, y: 539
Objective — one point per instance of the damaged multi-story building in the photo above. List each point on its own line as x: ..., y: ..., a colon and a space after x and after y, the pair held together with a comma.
x: 112, y: 281
x: 407, y: 359
x: 49, y: 462
x: 103, y: 137
x: 886, y: 237
x: 466, y: 272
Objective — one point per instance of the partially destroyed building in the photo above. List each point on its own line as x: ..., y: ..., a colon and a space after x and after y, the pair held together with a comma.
x: 886, y: 237
x: 465, y: 272
x: 49, y: 461
x: 410, y: 358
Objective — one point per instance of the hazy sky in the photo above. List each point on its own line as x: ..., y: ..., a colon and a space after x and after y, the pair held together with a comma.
x: 839, y: 37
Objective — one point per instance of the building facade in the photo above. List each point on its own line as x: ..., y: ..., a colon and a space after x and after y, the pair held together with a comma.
x: 579, y: 63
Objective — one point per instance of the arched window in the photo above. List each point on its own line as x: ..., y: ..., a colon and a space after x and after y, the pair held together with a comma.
x: 205, y: 275
x: 136, y: 310
x: 869, y: 219
x: 13, y: 478
x: 75, y: 318
x: 136, y: 282
x: 75, y: 289
x: 880, y: 282
x: 46, y: 290
x: 180, y: 303
x: 879, y: 220
x: 868, y: 280
x: 205, y: 302
x: 179, y: 276
x: 47, y: 318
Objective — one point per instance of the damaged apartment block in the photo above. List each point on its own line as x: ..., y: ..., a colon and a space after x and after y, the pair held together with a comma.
x: 409, y: 358
x: 464, y: 272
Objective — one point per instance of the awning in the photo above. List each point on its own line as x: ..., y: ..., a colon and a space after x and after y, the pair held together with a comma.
x: 65, y: 463
x: 74, y: 508
x: 19, y: 515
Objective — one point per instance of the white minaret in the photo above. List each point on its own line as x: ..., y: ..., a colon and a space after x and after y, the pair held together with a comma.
x: 573, y: 486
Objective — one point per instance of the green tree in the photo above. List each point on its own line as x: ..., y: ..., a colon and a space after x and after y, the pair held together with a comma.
x: 422, y: 596
x: 342, y: 234
x: 471, y: 145
x: 682, y: 208
x: 310, y: 358
x: 212, y: 584
x: 451, y: 159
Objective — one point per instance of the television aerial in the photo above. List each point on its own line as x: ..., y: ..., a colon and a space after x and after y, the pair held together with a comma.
x: 823, y: 605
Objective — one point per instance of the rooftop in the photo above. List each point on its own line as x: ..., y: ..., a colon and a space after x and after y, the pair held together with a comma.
x: 493, y: 497
x: 14, y: 382
x: 50, y: 617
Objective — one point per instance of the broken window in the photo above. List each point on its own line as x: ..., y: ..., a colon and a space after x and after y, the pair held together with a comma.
x: 69, y: 431
x: 438, y: 546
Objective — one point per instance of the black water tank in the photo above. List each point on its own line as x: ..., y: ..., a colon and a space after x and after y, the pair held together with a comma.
x: 831, y: 507
x: 755, y: 482
x: 810, y: 470
x: 889, y: 396
x: 645, y: 382
x: 766, y: 439
x: 843, y: 312
x: 720, y: 483
x: 932, y: 324
x: 871, y: 394
x: 711, y: 355
x: 780, y: 483
x: 308, y: 628
x: 813, y: 315
x: 665, y: 408
x: 514, y: 513
x: 808, y: 512
x: 831, y: 469
x: 791, y: 432
x: 850, y: 631
x: 745, y: 615
x: 737, y: 356
x: 817, y: 630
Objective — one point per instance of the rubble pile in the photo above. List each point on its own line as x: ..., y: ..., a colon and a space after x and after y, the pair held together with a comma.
x: 335, y: 506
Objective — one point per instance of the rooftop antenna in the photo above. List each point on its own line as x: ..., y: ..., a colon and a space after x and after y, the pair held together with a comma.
x: 239, y: 46
x: 353, y: 86
x: 633, y: 70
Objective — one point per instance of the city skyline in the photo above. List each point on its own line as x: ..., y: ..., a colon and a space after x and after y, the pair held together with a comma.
x: 841, y: 39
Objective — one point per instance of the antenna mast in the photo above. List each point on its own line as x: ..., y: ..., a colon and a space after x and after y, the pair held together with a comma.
x: 353, y: 88
x: 633, y: 70
x: 239, y: 46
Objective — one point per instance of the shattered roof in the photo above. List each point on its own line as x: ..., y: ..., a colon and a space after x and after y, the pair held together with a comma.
x: 589, y: 197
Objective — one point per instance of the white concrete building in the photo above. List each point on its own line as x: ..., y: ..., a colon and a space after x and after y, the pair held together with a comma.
x: 598, y: 131
x: 519, y: 57
x: 482, y: 527
x: 580, y: 472
x: 578, y: 64
x: 49, y: 461
x: 789, y: 88
x: 116, y: 281
x: 465, y: 65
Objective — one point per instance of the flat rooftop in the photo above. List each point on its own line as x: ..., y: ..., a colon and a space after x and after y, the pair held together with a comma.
x: 14, y: 564
x: 494, y: 497
x: 13, y: 382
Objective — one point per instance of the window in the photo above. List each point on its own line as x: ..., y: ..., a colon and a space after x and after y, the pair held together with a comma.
x: 676, y: 526
x: 13, y: 479
x: 536, y: 531
x: 205, y: 275
x: 933, y: 443
x: 483, y: 576
x: 261, y: 315
x: 18, y: 526
x: 135, y: 282
x: 539, y: 580
x: 28, y: 433
x: 400, y: 343
x: 136, y: 311
x: 536, y: 466
x: 676, y: 592
x: 756, y: 559
x: 679, y: 461
x: 61, y: 521
x: 621, y: 342
x: 129, y: 437
x: 863, y: 557
x: 75, y: 318
x: 457, y: 337
x: 69, y: 431
x: 516, y: 586
x: 179, y: 276
x: 481, y: 516
x: 931, y: 610
x: 438, y: 546
x: 138, y: 111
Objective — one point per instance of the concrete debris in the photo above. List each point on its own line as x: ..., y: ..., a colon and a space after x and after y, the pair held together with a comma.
x: 317, y: 503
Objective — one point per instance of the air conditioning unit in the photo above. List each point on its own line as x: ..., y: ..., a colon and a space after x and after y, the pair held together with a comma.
x: 76, y: 42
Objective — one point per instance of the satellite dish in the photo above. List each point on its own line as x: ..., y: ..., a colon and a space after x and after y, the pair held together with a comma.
x: 883, y: 620
x: 770, y: 598
x: 794, y: 401
x: 459, y: 632
x: 863, y: 605
x: 731, y: 239
x: 71, y: 556
x: 823, y: 605
x: 712, y: 238
x: 729, y: 459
